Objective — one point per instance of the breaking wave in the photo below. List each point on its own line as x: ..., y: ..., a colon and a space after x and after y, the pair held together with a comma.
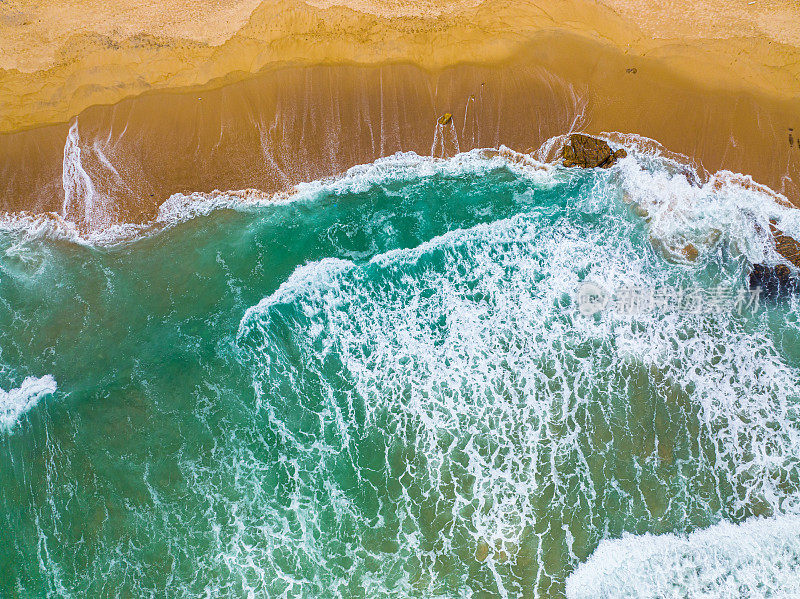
x: 502, y: 413
x: 684, y: 204
x: 16, y: 402
x: 416, y: 406
x: 759, y: 558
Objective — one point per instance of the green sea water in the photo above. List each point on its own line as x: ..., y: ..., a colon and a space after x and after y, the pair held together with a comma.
x: 383, y: 386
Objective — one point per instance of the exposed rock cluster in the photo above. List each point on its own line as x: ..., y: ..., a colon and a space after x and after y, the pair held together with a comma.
x: 585, y: 151
x: 774, y: 280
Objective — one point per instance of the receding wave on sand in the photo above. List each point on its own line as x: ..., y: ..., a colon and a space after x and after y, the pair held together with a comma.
x: 670, y: 189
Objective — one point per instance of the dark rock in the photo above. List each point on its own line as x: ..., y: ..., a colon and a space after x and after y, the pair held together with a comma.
x: 585, y: 151
x: 773, y: 280
x: 632, y: 70
x: 778, y: 280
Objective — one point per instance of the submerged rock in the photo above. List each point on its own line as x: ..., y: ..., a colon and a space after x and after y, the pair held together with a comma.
x: 778, y: 280
x: 585, y: 151
x: 690, y: 252
x: 482, y: 551
x: 773, y: 280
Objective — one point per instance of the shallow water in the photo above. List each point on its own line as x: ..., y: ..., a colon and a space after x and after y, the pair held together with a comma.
x: 384, y: 386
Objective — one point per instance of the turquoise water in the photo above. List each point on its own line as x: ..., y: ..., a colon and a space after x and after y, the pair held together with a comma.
x: 383, y: 386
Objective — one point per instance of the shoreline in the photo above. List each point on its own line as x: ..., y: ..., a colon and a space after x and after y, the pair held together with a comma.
x: 317, y: 107
x: 52, y: 71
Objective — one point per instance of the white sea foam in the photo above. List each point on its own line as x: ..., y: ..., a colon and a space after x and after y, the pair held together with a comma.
x: 90, y: 182
x: 465, y: 348
x: 663, y: 185
x: 180, y: 208
x: 728, y: 209
x: 15, y: 402
x: 757, y: 559
x: 79, y: 191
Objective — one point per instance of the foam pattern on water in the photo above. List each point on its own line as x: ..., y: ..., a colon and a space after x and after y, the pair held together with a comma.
x: 682, y: 206
x: 437, y: 421
x: 15, y: 402
x: 511, y: 433
x: 399, y: 168
x: 756, y: 559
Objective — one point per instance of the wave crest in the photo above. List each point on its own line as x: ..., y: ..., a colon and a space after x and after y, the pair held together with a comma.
x: 759, y: 558
x: 683, y: 204
x: 16, y: 402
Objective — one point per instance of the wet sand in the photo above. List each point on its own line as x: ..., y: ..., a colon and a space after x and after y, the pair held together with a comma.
x: 317, y: 107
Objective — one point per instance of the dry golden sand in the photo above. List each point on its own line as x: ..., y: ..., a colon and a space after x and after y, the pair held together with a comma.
x: 189, y: 96
x: 61, y: 57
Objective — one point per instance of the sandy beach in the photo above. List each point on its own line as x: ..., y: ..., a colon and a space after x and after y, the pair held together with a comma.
x: 183, y: 98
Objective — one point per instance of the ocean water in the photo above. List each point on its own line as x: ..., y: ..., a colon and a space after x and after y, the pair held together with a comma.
x: 387, y: 385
